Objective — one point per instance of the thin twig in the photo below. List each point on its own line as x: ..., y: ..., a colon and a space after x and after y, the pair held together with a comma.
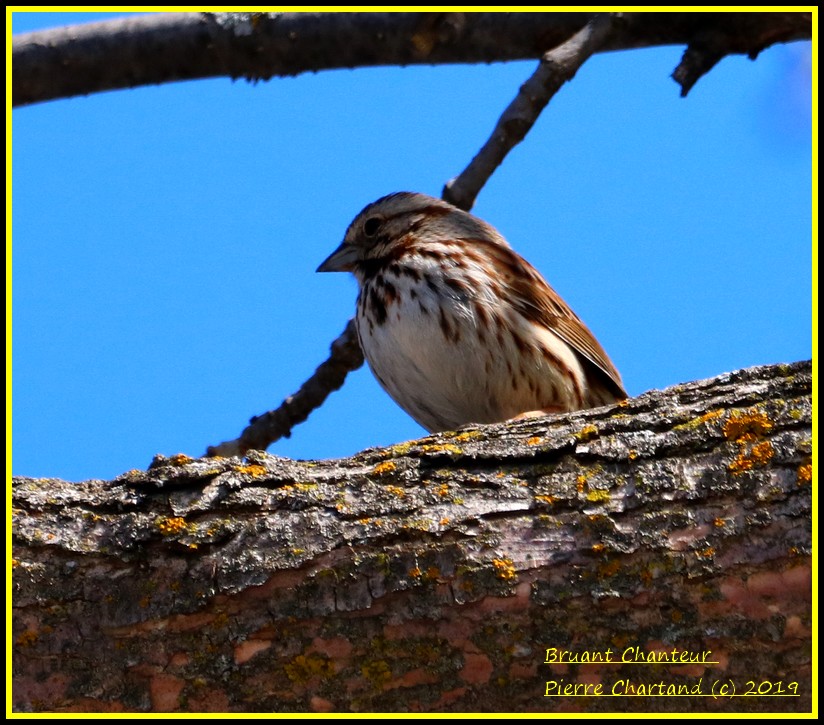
x: 556, y: 67
x: 265, y: 429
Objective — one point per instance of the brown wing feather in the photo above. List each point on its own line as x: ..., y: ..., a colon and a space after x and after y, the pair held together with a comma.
x: 537, y: 301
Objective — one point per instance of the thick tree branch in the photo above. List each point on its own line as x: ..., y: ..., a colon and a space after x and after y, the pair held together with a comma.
x: 556, y: 68
x: 144, y: 50
x: 434, y: 575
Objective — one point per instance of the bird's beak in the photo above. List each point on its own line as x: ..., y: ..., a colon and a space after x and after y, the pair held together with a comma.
x: 343, y: 259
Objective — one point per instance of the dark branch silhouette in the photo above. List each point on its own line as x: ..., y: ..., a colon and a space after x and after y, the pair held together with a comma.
x: 556, y: 68
x: 263, y: 430
x: 146, y: 50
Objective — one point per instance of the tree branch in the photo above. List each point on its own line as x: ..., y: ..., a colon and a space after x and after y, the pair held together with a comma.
x: 145, y: 50
x: 556, y: 68
x: 434, y: 575
x: 709, y: 45
x: 263, y: 430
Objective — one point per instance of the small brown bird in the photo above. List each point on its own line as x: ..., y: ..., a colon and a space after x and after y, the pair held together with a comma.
x: 457, y: 327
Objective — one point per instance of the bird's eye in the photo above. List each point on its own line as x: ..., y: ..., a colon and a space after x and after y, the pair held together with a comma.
x: 370, y: 226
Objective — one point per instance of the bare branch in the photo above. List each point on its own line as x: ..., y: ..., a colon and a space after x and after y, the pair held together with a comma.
x: 711, y: 44
x: 556, y: 68
x: 145, y: 50
x: 265, y: 429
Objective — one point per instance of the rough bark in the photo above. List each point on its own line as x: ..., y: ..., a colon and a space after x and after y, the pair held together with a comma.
x: 438, y: 574
x: 143, y: 50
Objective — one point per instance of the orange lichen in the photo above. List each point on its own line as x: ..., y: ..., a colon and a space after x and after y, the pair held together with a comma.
x: 534, y: 441
x: 633, y: 454
x: 252, y: 470
x: 580, y: 483
x: 442, y: 490
x: 444, y: 521
x: 504, y: 568
x: 745, y: 429
x: 598, y: 548
x: 438, y: 447
x: 385, y: 467
x: 432, y: 573
x: 545, y: 498
x: 180, y: 459
x: 805, y: 474
x: 415, y: 573
x: 27, y: 638
x: 170, y: 526
x: 395, y: 490
x: 707, y: 553
x: 468, y: 435
x: 762, y: 453
x: 747, y: 426
x: 758, y: 456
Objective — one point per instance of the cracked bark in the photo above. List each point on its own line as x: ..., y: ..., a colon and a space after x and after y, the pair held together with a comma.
x: 435, y: 574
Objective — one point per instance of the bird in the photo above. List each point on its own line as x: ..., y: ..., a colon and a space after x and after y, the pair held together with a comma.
x: 457, y: 327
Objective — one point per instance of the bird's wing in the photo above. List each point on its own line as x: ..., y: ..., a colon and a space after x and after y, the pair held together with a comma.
x: 537, y: 301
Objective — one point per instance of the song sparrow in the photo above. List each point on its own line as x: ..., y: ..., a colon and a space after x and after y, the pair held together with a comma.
x: 456, y: 326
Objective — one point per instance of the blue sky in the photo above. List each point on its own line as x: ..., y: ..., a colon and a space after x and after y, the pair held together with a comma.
x: 165, y: 238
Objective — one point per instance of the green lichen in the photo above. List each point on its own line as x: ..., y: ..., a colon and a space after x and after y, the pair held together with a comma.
x: 587, y: 433
x: 401, y: 449
x: 304, y: 668
x: 377, y: 672
x: 700, y: 420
